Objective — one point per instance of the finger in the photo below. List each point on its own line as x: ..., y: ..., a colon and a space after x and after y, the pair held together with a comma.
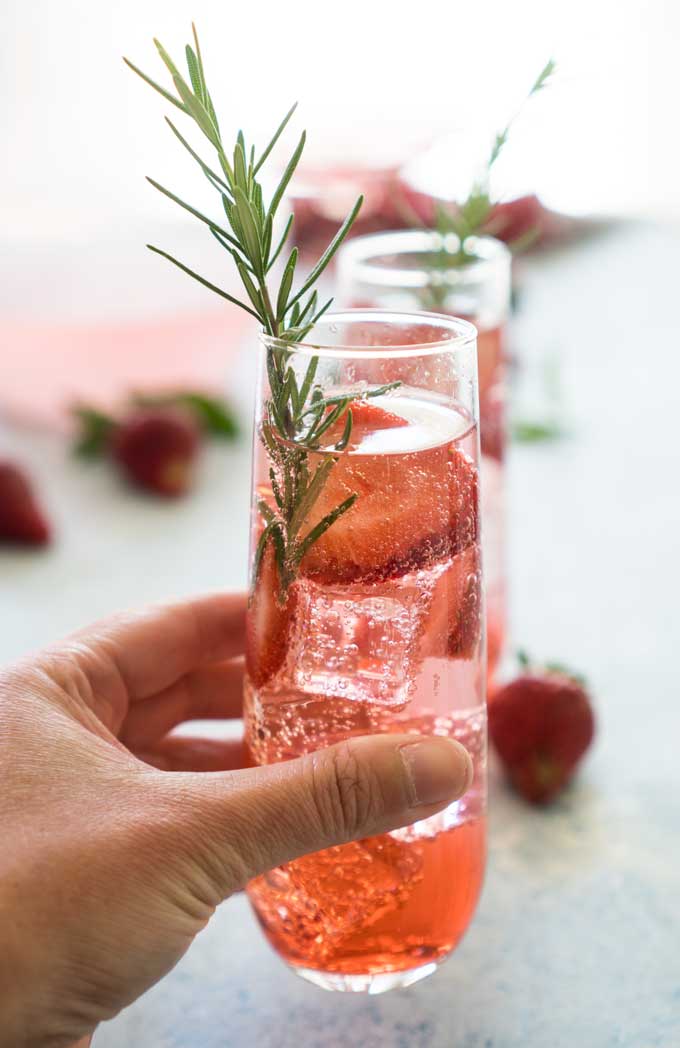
x: 245, y: 822
x: 184, y: 753
x: 152, y: 649
x: 212, y: 692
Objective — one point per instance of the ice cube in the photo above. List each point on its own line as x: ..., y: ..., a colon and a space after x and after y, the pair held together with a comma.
x: 327, y: 897
x: 359, y: 642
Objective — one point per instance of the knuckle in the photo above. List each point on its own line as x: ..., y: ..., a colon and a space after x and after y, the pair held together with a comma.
x: 351, y: 799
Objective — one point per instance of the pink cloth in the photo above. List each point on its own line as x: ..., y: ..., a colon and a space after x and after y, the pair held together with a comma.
x: 44, y: 368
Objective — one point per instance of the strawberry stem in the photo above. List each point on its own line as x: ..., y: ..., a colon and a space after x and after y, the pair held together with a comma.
x: 523, y: 659
x: 96, y: 430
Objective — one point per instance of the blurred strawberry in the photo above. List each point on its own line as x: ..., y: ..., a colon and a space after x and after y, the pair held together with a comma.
x: 541, y: 724
x: 157, y: 442
x: 157, y: 449
x: 516, y: 219
x: 22, y: 520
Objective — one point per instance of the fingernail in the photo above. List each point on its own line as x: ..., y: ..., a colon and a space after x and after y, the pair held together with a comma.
x: 438, y: 769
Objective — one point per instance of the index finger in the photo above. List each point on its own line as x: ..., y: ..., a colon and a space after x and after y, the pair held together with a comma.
x: 153, y: 648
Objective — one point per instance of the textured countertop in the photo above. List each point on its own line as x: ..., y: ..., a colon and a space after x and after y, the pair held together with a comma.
x: 577, y: 937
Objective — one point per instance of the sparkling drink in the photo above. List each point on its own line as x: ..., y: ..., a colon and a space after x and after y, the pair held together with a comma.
x: 408, y: 270
x: 381, y: 630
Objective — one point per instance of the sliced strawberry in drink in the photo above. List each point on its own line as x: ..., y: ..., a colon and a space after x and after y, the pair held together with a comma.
x: 268, y: 622
x: 366, y: 418
x: 412, y: 509
x: 464, y: 633
x: 452, y: 627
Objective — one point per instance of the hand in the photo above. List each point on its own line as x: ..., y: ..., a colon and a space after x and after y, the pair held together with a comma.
x: 109, y: 866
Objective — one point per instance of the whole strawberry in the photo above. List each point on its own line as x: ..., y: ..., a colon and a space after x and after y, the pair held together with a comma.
x: 157, y: 449
x: 22, y: 520
x: 541, y: 724
x: 157, y: 439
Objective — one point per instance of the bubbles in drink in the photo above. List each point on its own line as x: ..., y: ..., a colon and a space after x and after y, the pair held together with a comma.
x: 383, y: 634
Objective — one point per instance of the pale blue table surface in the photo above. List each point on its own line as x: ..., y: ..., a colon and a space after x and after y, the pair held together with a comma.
x: 577, y: 937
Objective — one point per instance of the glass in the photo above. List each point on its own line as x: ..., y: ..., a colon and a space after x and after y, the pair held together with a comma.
x: 413, y: 270
x: 381, y: 630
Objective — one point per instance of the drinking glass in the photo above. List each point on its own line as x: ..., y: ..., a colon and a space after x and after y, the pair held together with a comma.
x: 418, y: 269
x: 380, y: 627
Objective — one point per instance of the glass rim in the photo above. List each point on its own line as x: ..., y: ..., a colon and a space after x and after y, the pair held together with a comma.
x: 356, y: 259
x: 463, y: 333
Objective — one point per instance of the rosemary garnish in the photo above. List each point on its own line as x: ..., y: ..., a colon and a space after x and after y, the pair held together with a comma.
x: 473, y: 216
x: 295, y: 486
x: 297, y: 415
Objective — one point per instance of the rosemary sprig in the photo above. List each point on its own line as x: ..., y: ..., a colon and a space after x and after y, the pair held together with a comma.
x: 297, y: 415
x: 248, y: 233
x: 472, y: 216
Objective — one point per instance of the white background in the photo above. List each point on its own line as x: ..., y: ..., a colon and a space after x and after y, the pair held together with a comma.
x: 374, y: 80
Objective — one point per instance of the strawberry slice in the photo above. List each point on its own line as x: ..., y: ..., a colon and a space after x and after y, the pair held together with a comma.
x: 268, y: 621
x: 453, y: 625
x: 465, y: 631
x: 367, y: 418
x: 412, y: 508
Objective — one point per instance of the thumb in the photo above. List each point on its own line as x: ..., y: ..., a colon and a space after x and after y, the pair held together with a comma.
x: 243, y: 823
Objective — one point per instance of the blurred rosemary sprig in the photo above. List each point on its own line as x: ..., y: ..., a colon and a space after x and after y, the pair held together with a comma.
x: 472, y: 216
x: 297, y: 414
x: 545, y: 421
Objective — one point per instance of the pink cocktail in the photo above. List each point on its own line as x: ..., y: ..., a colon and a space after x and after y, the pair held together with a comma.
x: 419, y: 270
x: 379, y: 627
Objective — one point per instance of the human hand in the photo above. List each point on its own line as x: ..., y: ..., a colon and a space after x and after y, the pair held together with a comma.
x: 119, y: 839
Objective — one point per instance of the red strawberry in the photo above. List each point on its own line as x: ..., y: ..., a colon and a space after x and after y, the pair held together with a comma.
x: 22, y: 520
x: 412, y: 508
x: 541, y: 725
x: 157, y: 449
x: 464, y: 633
x: 517, y: 218
x: 367, y: 418
x: 268, y: 622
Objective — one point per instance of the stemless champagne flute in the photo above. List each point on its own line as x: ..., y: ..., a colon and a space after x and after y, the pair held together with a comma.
x: 418, y: 269
x: 366, y: 615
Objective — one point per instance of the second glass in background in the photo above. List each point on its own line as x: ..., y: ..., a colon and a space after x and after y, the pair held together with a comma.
x: 420, y: 270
